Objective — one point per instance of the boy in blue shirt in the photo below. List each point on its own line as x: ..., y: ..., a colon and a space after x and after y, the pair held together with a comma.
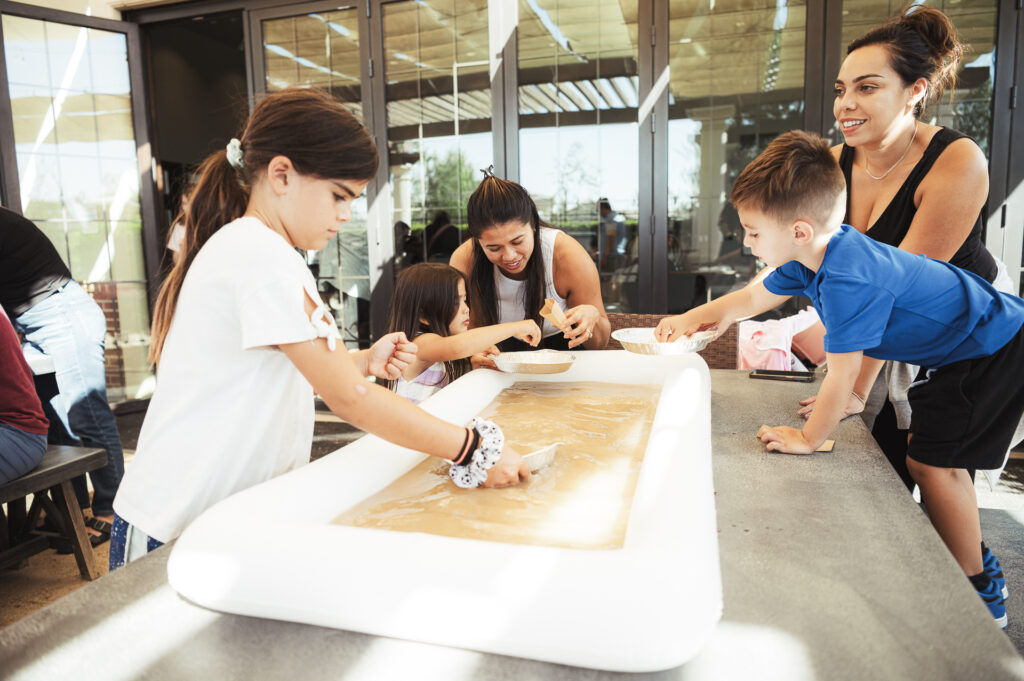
x: 880, y: 303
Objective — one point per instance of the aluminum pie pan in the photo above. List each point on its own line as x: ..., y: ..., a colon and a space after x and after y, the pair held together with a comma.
x: 534, y: 361
x: 641, y: 341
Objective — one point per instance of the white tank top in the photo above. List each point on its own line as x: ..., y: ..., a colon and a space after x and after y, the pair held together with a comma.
x: 511, y: 292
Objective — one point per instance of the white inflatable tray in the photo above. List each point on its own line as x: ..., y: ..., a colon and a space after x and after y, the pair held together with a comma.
x: 270, y: 551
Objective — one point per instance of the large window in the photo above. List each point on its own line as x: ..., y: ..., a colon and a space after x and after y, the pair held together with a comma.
x: 79, y: 175
x: 578, y: 133
x: 736, y: 82
x: 321, y: 49
x: 438, y: 120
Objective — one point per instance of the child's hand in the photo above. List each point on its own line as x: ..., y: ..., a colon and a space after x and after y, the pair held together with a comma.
x: 527, y: 330
x: 390, y: 356
x: 785, y: 439
x: 511, y: 469
x: 854, y: 405
x: 671, y: 329
x: 483, y: 361
x: 580, y: 322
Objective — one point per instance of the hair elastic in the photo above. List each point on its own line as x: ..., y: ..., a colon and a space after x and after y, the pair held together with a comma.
x: 488, y: 171
x: 234, y: 152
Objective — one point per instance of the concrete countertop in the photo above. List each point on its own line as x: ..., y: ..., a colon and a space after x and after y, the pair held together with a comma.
x: 830, y: 571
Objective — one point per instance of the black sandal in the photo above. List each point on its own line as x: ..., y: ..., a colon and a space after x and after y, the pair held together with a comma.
x: 102, y: 526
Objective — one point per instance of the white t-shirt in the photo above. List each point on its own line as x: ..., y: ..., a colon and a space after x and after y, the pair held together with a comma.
x: 230, y: 410
x: 512, y: 292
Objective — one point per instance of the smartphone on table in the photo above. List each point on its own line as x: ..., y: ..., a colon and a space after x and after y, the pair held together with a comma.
x: 776, y: 375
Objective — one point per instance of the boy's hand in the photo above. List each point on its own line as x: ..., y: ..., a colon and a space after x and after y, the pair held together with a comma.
x: 527, y: 330
x: 511, y: 469
x: 671, y: 329
x: 853, y: 406
x: 390, y: 356
x: 784, y: 439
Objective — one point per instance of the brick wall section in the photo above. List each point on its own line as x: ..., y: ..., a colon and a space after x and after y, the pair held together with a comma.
x: 105, y: 295
x: 719, y: 354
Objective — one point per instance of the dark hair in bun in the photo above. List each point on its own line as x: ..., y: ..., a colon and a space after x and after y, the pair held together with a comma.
x: 922, y: 43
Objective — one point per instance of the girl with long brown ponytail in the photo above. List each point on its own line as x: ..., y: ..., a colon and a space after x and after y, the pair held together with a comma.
x: 242, y: 339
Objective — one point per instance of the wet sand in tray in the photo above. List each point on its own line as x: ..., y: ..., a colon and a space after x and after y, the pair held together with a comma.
x: 580, y: 501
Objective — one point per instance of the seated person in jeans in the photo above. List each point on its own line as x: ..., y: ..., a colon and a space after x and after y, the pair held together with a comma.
x: 22, y: 424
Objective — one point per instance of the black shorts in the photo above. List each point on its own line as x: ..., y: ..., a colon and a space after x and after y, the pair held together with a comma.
x: 964, y: 414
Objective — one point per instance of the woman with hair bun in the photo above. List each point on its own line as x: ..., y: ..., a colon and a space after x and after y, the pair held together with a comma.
x: 515, y: 260
x: 913, y: 185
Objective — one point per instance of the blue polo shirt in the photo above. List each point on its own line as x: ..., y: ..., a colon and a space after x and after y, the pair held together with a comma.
x: 895, y: 305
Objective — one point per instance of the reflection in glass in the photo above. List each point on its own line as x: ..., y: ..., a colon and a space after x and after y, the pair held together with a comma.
x: 439, y: 121
x: 579, y: 151
x: 322, y: 50
x: 736, y: 82
x: 319, y: 50
x: 75, y: 147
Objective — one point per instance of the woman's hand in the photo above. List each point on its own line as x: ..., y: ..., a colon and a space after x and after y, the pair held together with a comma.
x: 390, y: 356
x: 854, y: 405
x: 527, y: 330
x: 482, y: 360
x: 784, y: 439
x: 511, y: 469
x: 579, y: 324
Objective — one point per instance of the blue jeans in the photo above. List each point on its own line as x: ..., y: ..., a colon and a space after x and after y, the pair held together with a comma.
x: 20, y: 452
x: 69, y: 327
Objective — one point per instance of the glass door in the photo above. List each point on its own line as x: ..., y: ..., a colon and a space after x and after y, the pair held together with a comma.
x: 736, y: 82
x: 78, y: 153
x: 578, y: 130
x: 317, y: 45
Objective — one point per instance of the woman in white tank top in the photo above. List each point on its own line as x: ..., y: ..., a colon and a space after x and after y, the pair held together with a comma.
x: 514, y: 261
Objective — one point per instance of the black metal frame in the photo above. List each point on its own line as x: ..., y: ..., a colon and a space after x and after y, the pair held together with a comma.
x: 152, y: 248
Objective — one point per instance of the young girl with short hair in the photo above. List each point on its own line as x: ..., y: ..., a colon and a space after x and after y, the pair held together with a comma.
x: 242, y: 339
x: 430, y: 308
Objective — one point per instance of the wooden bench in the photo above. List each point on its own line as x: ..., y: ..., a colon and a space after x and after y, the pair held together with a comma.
x: 719, y: 354
x: 50, y: 485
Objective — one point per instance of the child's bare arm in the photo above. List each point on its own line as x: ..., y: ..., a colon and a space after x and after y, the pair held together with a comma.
x: 720, y: 312
x: 373, y: 408
x: 434, y: 348
x: 843, y: 368
x: 857, y: 399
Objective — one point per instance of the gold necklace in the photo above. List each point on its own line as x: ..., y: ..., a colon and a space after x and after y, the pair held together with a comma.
x: 898, y: 161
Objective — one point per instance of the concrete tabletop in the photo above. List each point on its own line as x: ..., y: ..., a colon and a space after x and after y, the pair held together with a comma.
x: 830, y: 571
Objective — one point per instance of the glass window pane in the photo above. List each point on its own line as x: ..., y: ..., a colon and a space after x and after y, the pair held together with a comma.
x: 579, y: 149
x: 322, y: 50
x: 77, y: 164
x: 736, y: 82
x: 439, y: 121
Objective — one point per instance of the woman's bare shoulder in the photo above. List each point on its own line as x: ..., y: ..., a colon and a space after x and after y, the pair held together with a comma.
x: 462, y: 257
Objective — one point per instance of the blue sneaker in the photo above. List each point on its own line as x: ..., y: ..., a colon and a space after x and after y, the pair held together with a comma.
x: 995, y: 602
x: 994, y: 570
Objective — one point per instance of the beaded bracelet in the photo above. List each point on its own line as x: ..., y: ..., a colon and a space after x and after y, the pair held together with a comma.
x: 486, y: 452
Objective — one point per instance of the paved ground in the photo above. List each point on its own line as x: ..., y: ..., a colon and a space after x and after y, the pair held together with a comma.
x: 48, y: 576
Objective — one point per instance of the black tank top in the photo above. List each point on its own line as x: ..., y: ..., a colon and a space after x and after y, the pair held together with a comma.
x: 894, y: 222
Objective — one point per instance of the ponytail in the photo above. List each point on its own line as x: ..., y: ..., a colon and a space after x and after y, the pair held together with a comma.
x: 312, y: 129
x: 217, y: 198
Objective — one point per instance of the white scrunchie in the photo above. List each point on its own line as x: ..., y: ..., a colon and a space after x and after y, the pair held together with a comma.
x: 234, y: 151
x: 474, y: 473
